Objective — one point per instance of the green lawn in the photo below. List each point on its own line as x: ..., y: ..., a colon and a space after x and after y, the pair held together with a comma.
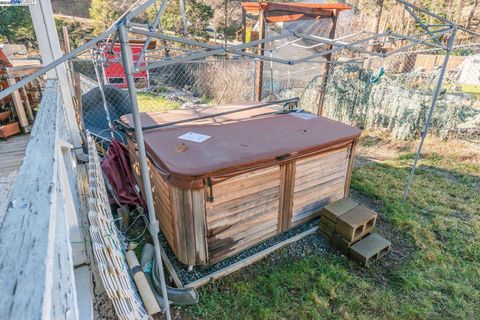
x: 148, y: 102
x: 433, y: 271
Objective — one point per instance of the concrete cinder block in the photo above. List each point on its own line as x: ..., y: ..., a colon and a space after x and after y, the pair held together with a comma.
x: 323, y: 234
x: 335, y: 209
x: 369, y: 249
x: 341, y: 244
x: 327, y: 226
x: 356, y: 223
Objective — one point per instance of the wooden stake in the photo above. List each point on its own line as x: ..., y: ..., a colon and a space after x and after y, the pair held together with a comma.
x: 28, y: 107
x: 353, y: 151
x: 19, y: 107
x: 66, y: 39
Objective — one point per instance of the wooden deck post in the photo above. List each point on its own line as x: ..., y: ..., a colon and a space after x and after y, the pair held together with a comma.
x: 327, y: 70
x: 49, y: 44
x: 261, y: 46
x: 244, y: 25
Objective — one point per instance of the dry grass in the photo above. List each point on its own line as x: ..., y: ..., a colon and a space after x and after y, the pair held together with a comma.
x: 226, y: 83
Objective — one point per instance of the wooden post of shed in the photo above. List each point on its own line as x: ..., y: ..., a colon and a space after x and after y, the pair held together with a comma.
x: 261, y: 47
x: 244, y: 25
x: 327, y: 70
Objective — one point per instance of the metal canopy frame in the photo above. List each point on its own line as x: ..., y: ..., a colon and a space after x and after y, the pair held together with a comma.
x: 123, y: 26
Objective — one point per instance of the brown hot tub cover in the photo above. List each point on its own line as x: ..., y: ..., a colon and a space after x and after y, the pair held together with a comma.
x: 238, y: 142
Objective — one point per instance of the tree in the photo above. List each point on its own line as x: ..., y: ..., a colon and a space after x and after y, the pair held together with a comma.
x: 199, y: 15
x: 198, y: 12
x: 378, y: 15
x: 103, y: 14
x: 227, y: 16
x: 16, y: 25
x: 376, y: 21
x: 471, y: 14
x: 184, y: 18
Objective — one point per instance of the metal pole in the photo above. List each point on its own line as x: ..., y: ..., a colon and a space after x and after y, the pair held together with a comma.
x: 216, y: 49
x: 72, y: 54
x: 154, y: 226
x: 271, y: 72
x: 420, y: 22
x: 429, y: 13
x: 436, y: 93
x: 338, y: 46
x: 254, y: 70
x: 153, y: 27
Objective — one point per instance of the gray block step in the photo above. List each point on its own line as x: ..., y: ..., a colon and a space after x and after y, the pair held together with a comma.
x: 335, y: 209
x: 327, y: 227
x: 371, y: 248
x: 341, y: 244
x: 356, y: 223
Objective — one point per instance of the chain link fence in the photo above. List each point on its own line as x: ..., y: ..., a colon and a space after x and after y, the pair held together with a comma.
x: 393, y: 94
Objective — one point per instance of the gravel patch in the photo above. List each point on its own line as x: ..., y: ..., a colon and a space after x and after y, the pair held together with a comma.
x: 103, y: 308
x: 302, y: 247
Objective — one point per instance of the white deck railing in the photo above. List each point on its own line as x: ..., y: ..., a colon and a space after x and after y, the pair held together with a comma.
x: 40, y: 238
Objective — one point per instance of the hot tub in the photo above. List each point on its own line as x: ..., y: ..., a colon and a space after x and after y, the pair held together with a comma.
x: 224, y: 184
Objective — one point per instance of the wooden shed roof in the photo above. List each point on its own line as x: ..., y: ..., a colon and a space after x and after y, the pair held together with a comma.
x: 284, y: 12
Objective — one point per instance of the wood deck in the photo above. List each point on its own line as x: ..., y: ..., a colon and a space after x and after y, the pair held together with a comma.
x: 11, y: 158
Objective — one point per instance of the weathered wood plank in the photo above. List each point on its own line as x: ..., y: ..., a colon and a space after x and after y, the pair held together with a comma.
x: 36, y: 273
x: 219, y: 211
x: 200, y: 226
x: 252, y: 217
x: 322, y: 167
x: 287, y: 183
x: 248, y: 187
x: 319, y: 180
x: 247, y: 261
x: 315, y: 181
x: 250, y: 175
x: 245, y: 211
x: 188, y: 226
x: 239, y: 213
x: 243, y: 232
x: 327, y: 156
x: 220, y: 252
x: 324, y: 187
x: 161, y: 195
x: 353, y: 151
x: 176, y: 198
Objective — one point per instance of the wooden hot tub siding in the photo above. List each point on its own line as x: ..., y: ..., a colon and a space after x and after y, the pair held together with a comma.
x: 248, y: 208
